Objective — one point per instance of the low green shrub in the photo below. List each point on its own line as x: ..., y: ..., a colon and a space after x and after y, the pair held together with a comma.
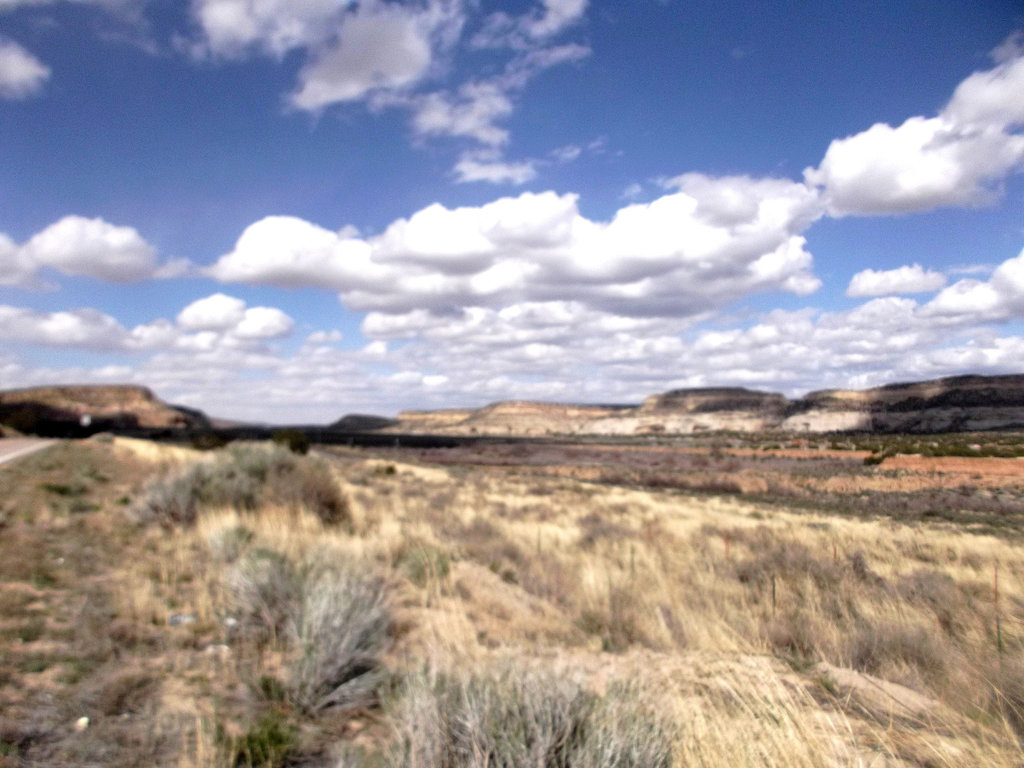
x: 208, y: 441
x: 74, y: 488
x: 269, y: 743
x: 295, y: 440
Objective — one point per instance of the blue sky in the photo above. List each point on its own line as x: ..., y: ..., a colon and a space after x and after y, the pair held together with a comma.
x: 289, y: 211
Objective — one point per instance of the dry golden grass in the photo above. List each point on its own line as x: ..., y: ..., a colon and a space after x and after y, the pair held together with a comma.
x: 156, y: 453
x: 764, y: 636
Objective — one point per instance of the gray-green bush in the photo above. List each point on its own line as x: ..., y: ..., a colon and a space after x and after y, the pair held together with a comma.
x: 243, y: 477
x: 340, y: 630
x: 264, y: 590
x: 514, y: 719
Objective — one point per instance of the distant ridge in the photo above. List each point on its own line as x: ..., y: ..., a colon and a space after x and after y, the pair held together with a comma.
x: 358, y: 422
x: 951, y: 404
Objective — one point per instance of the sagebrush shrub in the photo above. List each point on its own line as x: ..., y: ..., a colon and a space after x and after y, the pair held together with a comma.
x: 310, y: 485
x: 227, y: 544
x: 624, y: 731
x: 340, y: 630
x: 172, y: 501
x: 243, y: 478
x: 509, y: 718
x: 264, y: 590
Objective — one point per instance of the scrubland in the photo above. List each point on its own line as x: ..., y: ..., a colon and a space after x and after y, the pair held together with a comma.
x: 248, y: 606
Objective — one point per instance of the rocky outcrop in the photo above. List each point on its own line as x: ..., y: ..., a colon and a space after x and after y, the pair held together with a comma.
x: 514, y: 417
x: 964, y: 403
x: 84, y: 409
x: 955, y: 404
x: 717, y: 400
x: 685, y: 411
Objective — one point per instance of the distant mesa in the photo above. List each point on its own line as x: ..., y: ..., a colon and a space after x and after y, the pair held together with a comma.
x: 954, y: 404
x: 715, y: 400
x: 83, y: 410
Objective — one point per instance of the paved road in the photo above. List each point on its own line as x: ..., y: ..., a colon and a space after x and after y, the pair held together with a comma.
x: 15, y: 447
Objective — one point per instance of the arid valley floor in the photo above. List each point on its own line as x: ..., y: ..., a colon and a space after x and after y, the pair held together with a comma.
x: 740, y: 601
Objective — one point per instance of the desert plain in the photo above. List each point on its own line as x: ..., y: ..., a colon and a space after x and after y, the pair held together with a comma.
x: 730, y: 599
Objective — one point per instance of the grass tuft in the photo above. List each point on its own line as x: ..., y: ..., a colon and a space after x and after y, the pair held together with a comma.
x: 879, y: 648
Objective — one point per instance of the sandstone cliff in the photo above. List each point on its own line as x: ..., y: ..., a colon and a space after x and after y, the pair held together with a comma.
x: 955, y: 404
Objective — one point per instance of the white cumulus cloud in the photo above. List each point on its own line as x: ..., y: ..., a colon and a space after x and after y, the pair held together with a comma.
x: 970, y: 300
x: 387, y: 54
x: 230, y: 27
x: 93, y: 248
x: 215, y: 325
x: 385, y: 46
x: 289, y: 252
x: 701, y: 247
x: 218, y: 320
x: 21, y: 73
x: 72, y: 328
x: 957, y: 158
x: 264, y: 323
x: 79, y: 246
x: 213, y: 313
x: 906, y: 279
x: 352, y: 48
x: 472, y: 113
x: 15, y: 267
x: 487, y: 166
